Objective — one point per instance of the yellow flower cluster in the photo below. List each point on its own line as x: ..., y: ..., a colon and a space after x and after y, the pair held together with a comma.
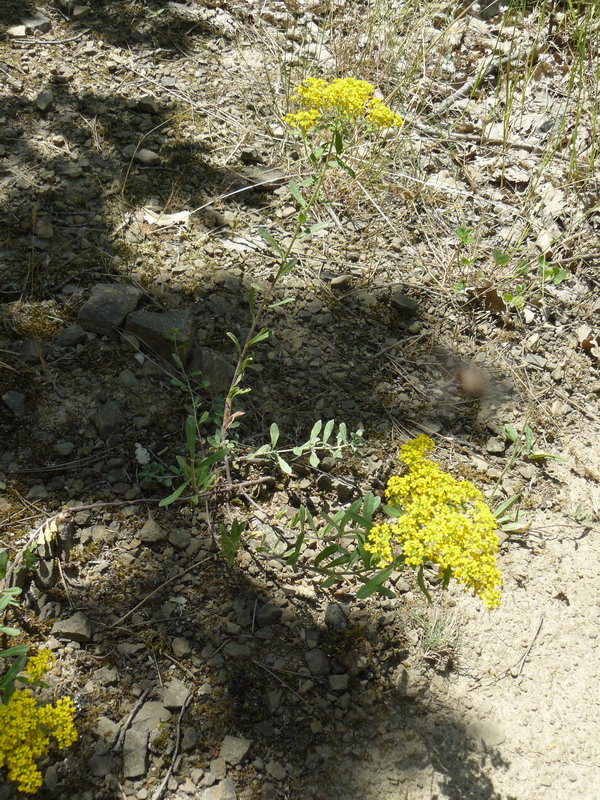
x: 445, y: 521
x: 38, y: 665
x: 344, y: 99
x: 26, y: 727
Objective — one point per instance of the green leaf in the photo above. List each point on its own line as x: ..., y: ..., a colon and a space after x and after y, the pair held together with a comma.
x: 17, y: 650
x: 329, y: 425
x: 422, y: 587
x: 342, y: 165
x: 9, y: 631
x: 374, y: 585
x: 265, y: 333
x: 529, y: 440
x: 295, y: 192
x: 506, y: 504
x: 166, y: 501
x: 3, y: 563
x: 326, y: 553
x: 313, y: 459
x: 316, y: 430
x: 338, y: 142
x: 190, y: 436
x: 274, y: 434
x: 308, y: 182
x: 289, y: 266
x: 282, y: 302
x: 270, y: 240
x: 283, y: 465
x: 511, y: 433
x: 500, y: 257
x: 316, y: 154
x: 235, y: 340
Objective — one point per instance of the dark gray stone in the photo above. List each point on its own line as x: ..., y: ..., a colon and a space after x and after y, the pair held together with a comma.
x: 215, y: 368
x: 108, y: 306
x: 336, y: 617
x: 148, y: 105
x: 152, y: 532
x: 44, y: 101
x: 403, y: 304
x: 72, y: 335
x: 16, y: 402
x: 108, y: 418
x: 234, y: 749
x: 317, y: 662
x: 268, y: 614
x: 135, y: 753
x: 77, y: 628
x: 162, y: 332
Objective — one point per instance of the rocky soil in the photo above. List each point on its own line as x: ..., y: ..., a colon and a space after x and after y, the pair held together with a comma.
x: 141, y: 147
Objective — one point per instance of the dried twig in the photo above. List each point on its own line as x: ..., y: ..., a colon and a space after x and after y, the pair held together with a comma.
x: 163, y: 784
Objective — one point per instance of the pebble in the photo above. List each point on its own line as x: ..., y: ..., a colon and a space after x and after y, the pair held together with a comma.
x: 107, y: 307
x: 76, y: 628
x: 152, y: 532
x: 317, y: 662
x: 234, y: 749
x: 135, y: 753
x: 15, y: 402
x: 108, y: 419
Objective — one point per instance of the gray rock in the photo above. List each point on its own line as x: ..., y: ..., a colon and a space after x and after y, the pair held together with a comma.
x: 181, y: 647
x: 268, y: 791
x: 135, y: 753
x: 317, y: 662
x: 262, y: 177
x: 495, y: 445
x: 77, y: 628
x: 250, y: 155
x: 80, y: 12
x: 100, y: 766
x: 17, y: 31
x: 339, y: 683
x: 341, y: 282
x: 72, y: 335
x: 107, y: 307
x: 37, y: 23
x: 276, y: 771
x: 150, y: 715
x: 142, y: 156
x: 403, y: 304
x: 107, y: 730
x: 15, y: 401
x: 179, y: 538
x: 268, y: 614
x: 43, y: 226
x: 234, y: 749
x: 336, y: 617
x: 224, y: 790
x: 218, y: 769
x: 189, y: 740
x: 214, y: 368
x: 148, y: 105
x: 108, y: 418
x: 164, y: 331
x: 44, y: 102
x: 176, y: 694
x: 63, y: 448
x: 152, y: 532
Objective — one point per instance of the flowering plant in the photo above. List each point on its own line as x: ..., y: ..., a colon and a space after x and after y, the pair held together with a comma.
x: 26, y: 725
x: 441, y: 520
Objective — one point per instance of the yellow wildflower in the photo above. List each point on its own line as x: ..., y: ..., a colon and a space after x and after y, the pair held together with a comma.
x: 38, y: 665
x: 445, y: 521
x: 342, y: 100
x: 26, y: 727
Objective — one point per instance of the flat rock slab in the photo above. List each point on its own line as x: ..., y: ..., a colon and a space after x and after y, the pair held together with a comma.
x: 215, y: 368
x: 176, y: 694
x: 162, y: 332
x: 107, y: 307
x: 224, y: 790
x: 234, y: 749
x: 135, y: 752
x: 77, y: 628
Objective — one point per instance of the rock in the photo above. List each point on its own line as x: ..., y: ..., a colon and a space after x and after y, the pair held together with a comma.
x: 176, y: 694
x: 152, y: 532
x: 43, y: 227
x: 148, y: 105
x: 268, y: 791
x: 63, y: 448
x: 107, y: 307
x: 37, y: 23
x: 71, y: 336
x: 262, y: 178
x: 181, y: 647
x: 142, y: 156
x: 250, y: 155
x: 495, y: 445
x: 215, y: 368
x: 150, y: 716
x: 224, y: 790
x: 44, y: 102
x: 17, y: 32
x: 80, y: 12
x: 100, y: 766
x: 234, y: 749
x: 189, y: 740
x: 403, y: 304
x: 15, y: 402
x: 162, y: 331
x: 77, y: 628
x: 339, y: 683
x: 336, y: 617
x: 135, y: 753
x: 276, y: 771
x: 180, y: 538
x: 317, y: 662
x: 268, y: 614
x: 108, y: 418
x: 341, y: 282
